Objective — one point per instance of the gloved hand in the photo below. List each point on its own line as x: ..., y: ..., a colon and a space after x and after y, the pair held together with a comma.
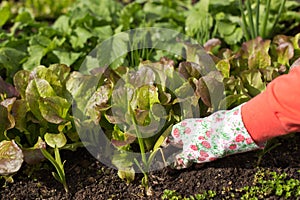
x: 206, y: 139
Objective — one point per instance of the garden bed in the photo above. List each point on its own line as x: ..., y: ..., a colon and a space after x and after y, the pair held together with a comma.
x: 47, y: 104
x: 89, y: 179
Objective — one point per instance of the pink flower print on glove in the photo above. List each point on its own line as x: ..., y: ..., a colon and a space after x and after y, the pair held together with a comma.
x: 207, y: 139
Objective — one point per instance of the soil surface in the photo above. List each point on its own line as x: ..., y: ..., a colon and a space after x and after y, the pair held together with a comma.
x: 89, y: 179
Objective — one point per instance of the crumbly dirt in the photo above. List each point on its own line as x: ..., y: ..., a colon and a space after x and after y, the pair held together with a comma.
x: 89, y: 179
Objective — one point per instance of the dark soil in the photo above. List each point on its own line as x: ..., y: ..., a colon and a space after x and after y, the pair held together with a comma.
x: 89, y: 179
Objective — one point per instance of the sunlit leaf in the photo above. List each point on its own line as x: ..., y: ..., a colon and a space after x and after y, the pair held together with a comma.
x: 212, y: 43
x: 127, y: 174
x: 21, y: 80
x: 97, y: 103
x: 37, y: 50
x: 11, y: 157
x: 7, y: 119
x: 257, y: 53
x: 284, y: 48
x: 5, y: 13
x: 55, y: 140
x: 19, y: 111
x: 81, y: 37
x: 224, y: 67
x: 56, y: 75
x: 253, y: 82
x: 54, y: 109
x: 82, y: 88
x: 38, y: 88
x: 66, y: 57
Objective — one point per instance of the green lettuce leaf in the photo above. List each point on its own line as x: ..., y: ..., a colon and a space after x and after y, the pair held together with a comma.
x: 252, y: 80
x: 257, y: 53
x: 19, y: 111
x: 44, y: 103
x: 5, y: 13
x: 55, y: 140
x: 284, y: 49
x: 21, y: 80
x: 7, y: 119
x: 10, y: 59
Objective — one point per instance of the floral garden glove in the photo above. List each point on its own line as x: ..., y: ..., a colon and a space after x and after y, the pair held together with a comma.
x: 206, y: 139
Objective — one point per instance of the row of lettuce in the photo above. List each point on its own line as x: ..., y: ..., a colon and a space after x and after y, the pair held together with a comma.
x: 44, y: 106
x: 50, y: 107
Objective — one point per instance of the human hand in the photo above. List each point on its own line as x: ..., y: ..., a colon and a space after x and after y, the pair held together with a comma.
x: 207, y: 139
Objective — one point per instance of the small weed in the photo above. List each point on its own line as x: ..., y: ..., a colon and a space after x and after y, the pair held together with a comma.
x: 173, y: 195
x: 265, y: 184
x: 270, y: 145
x: 268, y: 183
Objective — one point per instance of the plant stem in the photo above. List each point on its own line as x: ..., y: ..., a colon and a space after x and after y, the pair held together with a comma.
x: 278, y: 14
x: 264, y: 151
x: 140, y: 141
x: 244, y: 22
x: 142, y: 149
x: 266, y: 19
x: 250, y: 18
x: 59, y: 166
x: 257, y: 17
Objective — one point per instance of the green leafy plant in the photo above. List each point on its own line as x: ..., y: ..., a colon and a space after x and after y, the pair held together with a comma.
x: 252, y: 24
x: 136, y: 112
x: 56, y: 141
x: 38, y: 110
x: 147, y: 161
x: 199, y: 22
x: 140, y: 100
x: 38, y: 105
x: 270, y: 145
x: 48, y: 8
x: 173, y: 195
x: 59, y: 166
x: 267, y: 182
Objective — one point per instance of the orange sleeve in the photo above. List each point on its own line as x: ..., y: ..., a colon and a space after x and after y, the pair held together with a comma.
x: 276, y: 111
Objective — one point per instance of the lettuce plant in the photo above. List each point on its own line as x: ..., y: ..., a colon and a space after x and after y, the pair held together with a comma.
x: 136, y: 108
x: 38, y: 110
x: 56, y: 141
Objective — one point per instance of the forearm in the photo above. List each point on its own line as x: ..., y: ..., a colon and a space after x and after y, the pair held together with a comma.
x: 276, y: 111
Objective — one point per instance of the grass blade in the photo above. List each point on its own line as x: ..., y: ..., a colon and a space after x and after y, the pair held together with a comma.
x: 244, y: 22
x: 60, y: 176
x: 250, y: 18
x: 257, y: 18
x: 278, y: 15
x: 264, y: 26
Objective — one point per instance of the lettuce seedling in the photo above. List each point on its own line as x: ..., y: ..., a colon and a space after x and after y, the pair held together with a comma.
x: 56, y: 141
